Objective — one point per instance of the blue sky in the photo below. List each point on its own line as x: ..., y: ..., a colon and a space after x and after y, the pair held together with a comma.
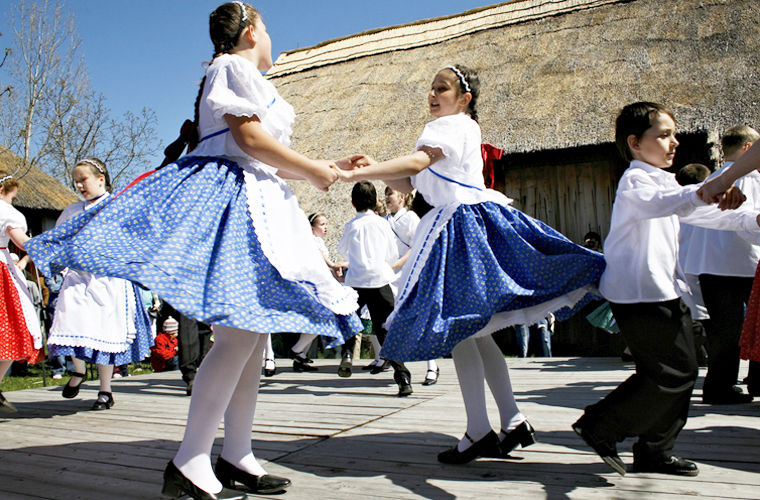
x: 148, y: 53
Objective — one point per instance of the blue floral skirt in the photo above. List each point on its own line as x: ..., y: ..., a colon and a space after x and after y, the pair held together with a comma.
x: 185, y: 232
x: 489, y: 262
x: 138, y: 350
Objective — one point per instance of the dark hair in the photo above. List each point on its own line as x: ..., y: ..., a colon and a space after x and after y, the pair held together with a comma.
x: 313, y: 217
x: 97, y: 167
x: 693, y: 173
x: 736, y: 137
x: 472, y: 81
x: 364, y: 196
x: 226, y: 24
x: 593, y: 235
x: 635, y: 119
x: 7, y: 184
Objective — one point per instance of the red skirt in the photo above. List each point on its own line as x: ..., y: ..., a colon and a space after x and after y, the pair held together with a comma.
x: 16, y: 342
x: 750, y: 339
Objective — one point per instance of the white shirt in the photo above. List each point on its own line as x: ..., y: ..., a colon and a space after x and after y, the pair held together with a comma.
x: 641, y: 248
x: 370, y: 247
x: 403, y: 224
x: 725, y: 253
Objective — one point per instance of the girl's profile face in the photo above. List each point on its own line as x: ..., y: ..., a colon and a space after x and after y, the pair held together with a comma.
x: 263, y: 45
x: 394, y: 200
x: 444, y: 98
x: 657, y: 145
x: 89, y: 185
x: 319, y: 228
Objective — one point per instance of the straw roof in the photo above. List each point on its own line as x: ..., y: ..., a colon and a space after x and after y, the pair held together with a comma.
x: 37, y: 190
x: 554, y: 74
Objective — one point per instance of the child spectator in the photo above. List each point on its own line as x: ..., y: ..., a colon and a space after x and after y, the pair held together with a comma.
x: 163, y: 355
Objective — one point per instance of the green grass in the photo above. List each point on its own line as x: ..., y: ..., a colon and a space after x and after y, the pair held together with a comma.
x: 34, y: 378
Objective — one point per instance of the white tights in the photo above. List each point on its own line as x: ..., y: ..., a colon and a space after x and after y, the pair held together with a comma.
x: 477, y: 360
x: 227, y: 385
x: 105, y: 372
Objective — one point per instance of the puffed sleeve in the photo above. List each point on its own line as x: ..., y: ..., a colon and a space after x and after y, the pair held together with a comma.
x: 10, y: 218
x: 445, y: 133
x: 237, y: 88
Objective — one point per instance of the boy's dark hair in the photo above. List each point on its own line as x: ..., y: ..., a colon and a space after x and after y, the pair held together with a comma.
x: 364, y: 196
x: 736, y: 137
x: 635, y: 119
x: 693, y: 173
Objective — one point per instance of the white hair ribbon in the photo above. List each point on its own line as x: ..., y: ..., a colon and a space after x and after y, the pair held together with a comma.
x: 461, y: 77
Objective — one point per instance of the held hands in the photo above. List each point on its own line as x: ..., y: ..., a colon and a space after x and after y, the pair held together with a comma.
x: 323, y: 175
x: 715, y: 191
x: 346, y: 166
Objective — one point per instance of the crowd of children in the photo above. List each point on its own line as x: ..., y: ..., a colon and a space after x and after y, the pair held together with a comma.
x: 204, y: 232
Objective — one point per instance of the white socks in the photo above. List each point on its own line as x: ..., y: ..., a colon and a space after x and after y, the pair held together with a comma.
x: 268, y: 351
x: 477, y: 360
x: 226, y: 385
x: 432, y: 365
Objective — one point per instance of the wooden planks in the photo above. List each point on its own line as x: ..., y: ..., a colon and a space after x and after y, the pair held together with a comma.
x: 347, y: 438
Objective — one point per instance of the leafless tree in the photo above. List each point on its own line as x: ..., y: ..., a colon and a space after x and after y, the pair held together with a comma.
x: 52, y: 117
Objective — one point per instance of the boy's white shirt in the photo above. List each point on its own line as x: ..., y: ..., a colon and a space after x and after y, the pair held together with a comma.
x: 641, y: 249
x: 369, y: 245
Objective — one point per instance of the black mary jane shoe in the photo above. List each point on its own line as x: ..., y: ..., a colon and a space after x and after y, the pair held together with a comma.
x: 232, y: 477
x: 103, y: 405
x: 71, y: 391
x: 486, y: 446
x: 431, y: 380
x: 524, y: 435
x: 383, y: 366
x: 176, y: 484
x: 5, y: 405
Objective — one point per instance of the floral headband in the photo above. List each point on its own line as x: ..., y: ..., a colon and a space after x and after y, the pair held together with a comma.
x: 460, y: 76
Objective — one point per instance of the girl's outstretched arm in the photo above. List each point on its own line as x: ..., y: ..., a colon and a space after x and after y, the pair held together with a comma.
x: 18, y: 237
x: 251, y: 137
x: 395, y: 172
x: 713, y: 189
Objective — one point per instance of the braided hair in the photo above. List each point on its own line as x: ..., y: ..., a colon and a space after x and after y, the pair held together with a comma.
x: 468, y: 82
x: 226, y: 24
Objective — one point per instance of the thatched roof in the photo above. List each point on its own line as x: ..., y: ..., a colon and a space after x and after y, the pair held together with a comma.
x: 554, y: 74
x: 36, y: 189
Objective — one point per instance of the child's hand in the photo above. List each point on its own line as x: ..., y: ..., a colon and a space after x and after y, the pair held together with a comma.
x: 712, y: 190
x: 358, y: 161
x: 344, y: 175
x: 731, y: 199
x: 323, y: 176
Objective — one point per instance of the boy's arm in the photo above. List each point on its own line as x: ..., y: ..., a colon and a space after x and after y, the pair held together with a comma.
x: 645, y: 199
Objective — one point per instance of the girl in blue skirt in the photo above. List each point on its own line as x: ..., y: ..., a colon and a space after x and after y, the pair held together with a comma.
x: 476, y: 266
x: 206, y: 233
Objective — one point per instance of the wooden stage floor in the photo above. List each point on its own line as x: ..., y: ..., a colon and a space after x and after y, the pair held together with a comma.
x: 353, y: 438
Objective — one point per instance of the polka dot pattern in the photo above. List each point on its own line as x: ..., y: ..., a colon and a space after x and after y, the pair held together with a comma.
x: 489, y: 258
x: 185, y: 232
x: 15, y: 340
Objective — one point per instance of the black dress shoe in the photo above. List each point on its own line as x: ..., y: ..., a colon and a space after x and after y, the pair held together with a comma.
x: 369, y: 366
x: 524, y: 435
x: 103, y: 405
x: 176, y: 484
x: 5, y: 405
x: 486, y: 446
x: 431, y: 377
x: 380, y: 368
x: 674, y: 465
x: 232, y: 477
x: 405, y: 389
x: 301, y: 366
x: 346, y: 362
x: 732, y: 396
x: 607, y: 451
x: 71, y: 391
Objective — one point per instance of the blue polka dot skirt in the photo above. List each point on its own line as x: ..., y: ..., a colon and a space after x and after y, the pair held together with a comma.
x: 488, y: 260
x: 136, y: 351
x: 185, y: 232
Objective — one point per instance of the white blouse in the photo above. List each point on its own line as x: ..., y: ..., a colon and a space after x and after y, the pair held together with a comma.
x: 641, y: 248
x: 403, y: 224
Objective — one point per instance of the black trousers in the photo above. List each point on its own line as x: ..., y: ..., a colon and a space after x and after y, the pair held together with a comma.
x: 725, y: 298
x: 653, y: 403
x: 193, y: 340
x: 379, y: 302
